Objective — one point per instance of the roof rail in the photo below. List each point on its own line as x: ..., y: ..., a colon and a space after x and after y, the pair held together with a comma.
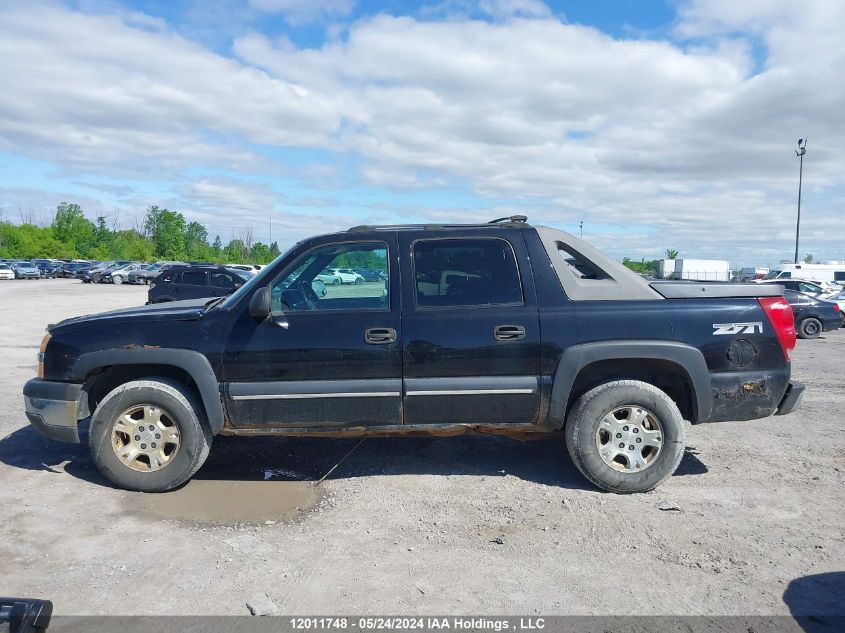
x: 513, y: 219
x: 522, y: 219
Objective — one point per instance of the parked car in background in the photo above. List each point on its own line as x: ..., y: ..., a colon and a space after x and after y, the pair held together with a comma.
x: 49, y: 269
x: 194, y: 282
x: 70, y: 269
x: 836, y: 297
x: 6, y: 271
x: 149, y: 272
x: 801, y: 285
x: 370, y: 274
x: 95, y: 275
x: 813, y: 316
x: 26, y: 270
x: 337, y: 276
x: 119, y: 274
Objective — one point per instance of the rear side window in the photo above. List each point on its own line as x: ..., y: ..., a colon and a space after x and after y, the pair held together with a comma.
x: 466, y: 272
x: 193, y: 278
x: 579, y: 265
x: 222, y: 280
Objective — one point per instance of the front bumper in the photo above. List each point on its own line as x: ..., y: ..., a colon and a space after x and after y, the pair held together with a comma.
x: 791, y: 399
x: 52, y: 408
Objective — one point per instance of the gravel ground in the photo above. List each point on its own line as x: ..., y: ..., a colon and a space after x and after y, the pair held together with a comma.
x: 426, y: 526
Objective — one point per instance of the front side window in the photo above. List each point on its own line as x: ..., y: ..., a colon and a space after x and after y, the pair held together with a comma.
x: 326, y: 279
x: 466, y: 272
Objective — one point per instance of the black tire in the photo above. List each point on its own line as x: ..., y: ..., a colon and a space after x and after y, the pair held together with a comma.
x: 582, y: 429
x: 809, y: 328
x: 336, y: 282
x: 358, y: 281
x: 181, y: 406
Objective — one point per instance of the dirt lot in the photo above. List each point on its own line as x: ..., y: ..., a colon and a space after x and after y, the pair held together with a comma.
x: 423, y: 526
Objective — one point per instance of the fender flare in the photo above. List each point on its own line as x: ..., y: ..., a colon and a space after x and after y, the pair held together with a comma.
x: 194, y: 363
x: 575, y: 358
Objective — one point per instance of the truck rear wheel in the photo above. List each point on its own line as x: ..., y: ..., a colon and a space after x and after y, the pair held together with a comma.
x: 626, y: 436
x: 149, y: 435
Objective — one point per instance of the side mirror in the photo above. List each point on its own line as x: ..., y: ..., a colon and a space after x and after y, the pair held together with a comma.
x: 259, y: 305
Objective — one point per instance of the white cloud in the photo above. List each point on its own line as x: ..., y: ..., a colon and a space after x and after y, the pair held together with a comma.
x: 92, y: 92
x: 685, y: 144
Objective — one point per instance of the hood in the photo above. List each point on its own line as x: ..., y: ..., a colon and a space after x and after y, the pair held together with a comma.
x: 188, y: 310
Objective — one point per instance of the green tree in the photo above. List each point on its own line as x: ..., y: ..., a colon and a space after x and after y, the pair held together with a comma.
x: 274, y: 250
x: 808, y: 258
x: 235, y: 252
x: 166, y: 229
x: 217, y: 246
x: 196, y: 242
x: 671, y: 253
x: 72, y: 227
x: 260, y: 254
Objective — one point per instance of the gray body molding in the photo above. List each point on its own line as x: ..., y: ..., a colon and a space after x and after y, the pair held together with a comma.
x: 724, y: 290
x: 617, y: 283
x: 194, y: 363
x: 575, y: 358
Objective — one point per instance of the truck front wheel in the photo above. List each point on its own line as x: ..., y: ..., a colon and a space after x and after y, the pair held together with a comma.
x: 149, y: 435
x: 626, y: 436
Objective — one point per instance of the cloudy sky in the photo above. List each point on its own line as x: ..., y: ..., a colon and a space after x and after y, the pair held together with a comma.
x: 658, y: 124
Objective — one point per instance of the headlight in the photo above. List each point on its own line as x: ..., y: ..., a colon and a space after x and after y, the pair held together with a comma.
x: 41, y: 352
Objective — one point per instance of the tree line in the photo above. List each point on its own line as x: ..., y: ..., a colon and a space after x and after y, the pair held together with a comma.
x: 165, y: 235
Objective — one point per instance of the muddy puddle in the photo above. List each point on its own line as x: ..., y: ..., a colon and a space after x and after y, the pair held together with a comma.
x: 228, y: 502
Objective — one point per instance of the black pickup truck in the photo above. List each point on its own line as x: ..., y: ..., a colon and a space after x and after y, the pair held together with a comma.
x: 494, y: 328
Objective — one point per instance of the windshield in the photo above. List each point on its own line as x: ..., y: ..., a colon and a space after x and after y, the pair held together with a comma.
x: 257, y: 280
x: 243, y: 274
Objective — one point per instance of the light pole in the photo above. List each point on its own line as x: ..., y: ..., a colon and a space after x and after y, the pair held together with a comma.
x: 581, y: 228
x: 802, y: 149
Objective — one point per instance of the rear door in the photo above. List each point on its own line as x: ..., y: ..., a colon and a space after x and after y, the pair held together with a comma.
x: 470, y: 329
x: 190, y: 284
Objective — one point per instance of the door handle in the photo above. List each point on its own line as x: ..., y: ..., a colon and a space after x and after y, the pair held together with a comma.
x: 380, y: 335
x: 508, y: 332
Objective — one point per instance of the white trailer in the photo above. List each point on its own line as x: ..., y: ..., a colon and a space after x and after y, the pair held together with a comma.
x: 703, y: 269
x: 831, y: 272
x: 666, y: 268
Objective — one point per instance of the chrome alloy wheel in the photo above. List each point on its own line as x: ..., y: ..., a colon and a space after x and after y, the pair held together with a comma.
x: 145, y: 438
x: 629, y: 438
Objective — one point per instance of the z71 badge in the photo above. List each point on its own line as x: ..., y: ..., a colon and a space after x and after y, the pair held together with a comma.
x: 737, y: 328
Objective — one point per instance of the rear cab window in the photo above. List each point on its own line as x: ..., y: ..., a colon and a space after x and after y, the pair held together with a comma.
x: 473, y: 272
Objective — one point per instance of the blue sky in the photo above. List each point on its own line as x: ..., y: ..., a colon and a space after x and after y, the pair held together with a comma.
x: 659, y: 124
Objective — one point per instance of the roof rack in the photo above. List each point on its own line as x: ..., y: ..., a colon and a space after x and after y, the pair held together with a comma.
x: 507, y: 221
x: 511, y: 219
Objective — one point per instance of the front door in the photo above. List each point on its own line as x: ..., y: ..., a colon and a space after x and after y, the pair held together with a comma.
x: 470, y: 330
x: 331, y: 356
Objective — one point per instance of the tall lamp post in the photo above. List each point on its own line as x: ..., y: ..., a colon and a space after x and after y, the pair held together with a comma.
x: 802, y: 149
